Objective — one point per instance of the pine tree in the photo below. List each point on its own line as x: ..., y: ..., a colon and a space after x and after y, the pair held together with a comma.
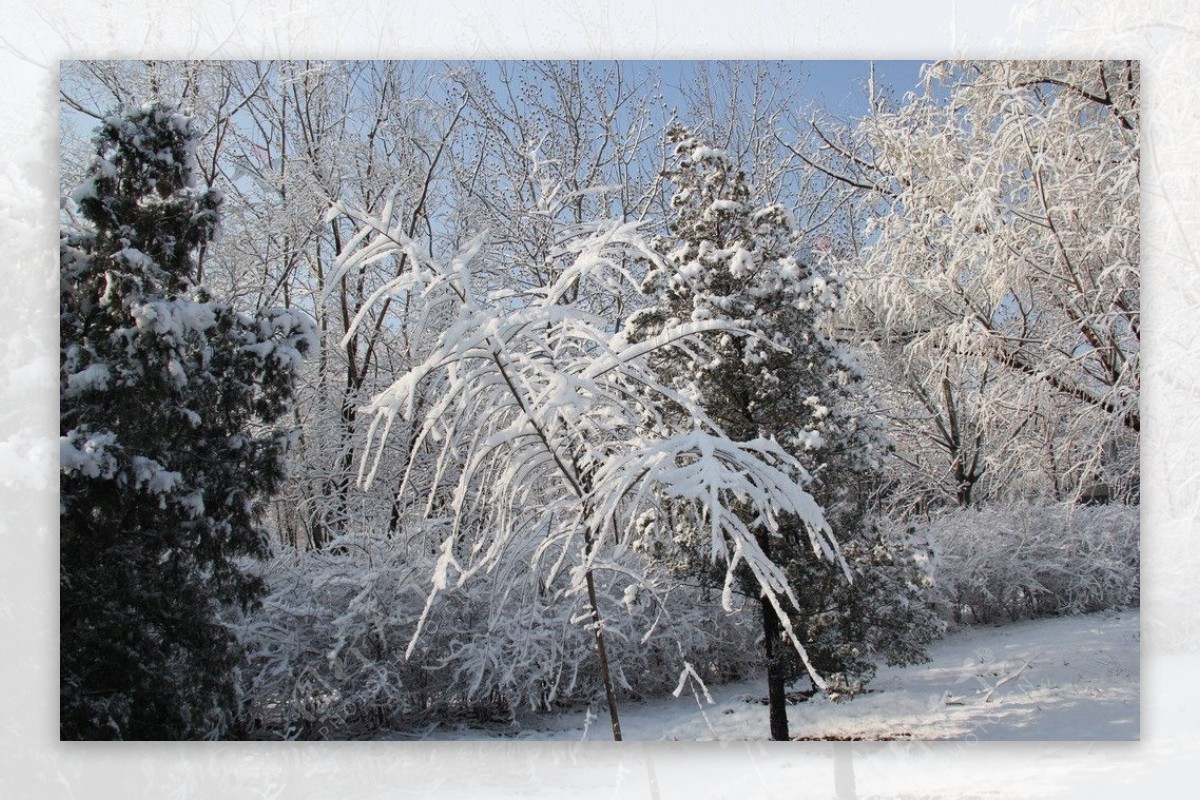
x: 169, y: 405
x: 728, y: 259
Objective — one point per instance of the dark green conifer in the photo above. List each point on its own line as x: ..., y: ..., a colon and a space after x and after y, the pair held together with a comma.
x: 728, y: 258
x: 169, y: 439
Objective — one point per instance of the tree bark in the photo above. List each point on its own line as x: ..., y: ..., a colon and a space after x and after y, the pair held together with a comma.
x: 776, y: 697
x: 776, y: 677
x: 609, y: 693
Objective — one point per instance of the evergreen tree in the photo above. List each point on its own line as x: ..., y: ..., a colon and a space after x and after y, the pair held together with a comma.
x: 728, y: 259
x: 169, y: 405
x: 884, y: 614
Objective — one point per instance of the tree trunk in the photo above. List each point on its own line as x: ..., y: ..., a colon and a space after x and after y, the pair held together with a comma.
x: 776, y: 697
x: 776, y: 678
x: 609, y: 693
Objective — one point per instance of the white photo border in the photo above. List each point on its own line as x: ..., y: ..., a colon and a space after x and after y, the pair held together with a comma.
x: 36, y: 35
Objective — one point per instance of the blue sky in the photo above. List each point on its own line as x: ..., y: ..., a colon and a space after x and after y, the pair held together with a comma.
x: 837, y: 86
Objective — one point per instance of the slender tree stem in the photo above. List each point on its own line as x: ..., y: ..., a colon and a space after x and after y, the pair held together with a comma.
x: 609, y: 692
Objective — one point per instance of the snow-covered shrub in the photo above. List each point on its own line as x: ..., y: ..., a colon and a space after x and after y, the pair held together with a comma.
x: 1025, y: 559
x: 533, y: 654
x: 327, y: 651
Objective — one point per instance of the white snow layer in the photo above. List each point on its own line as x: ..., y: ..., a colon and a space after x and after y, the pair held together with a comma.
x: 1068, y: 678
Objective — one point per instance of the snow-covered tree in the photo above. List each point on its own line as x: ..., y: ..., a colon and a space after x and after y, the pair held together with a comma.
x: 281, y: 139
x: 730, y: 261
x: 1001, y: 277
x: 530, y: 414
x: 170, y: 402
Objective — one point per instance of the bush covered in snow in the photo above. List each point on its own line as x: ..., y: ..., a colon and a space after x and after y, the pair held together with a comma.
x: 327, y: 657
x: 323, y: 654
x: 1023, y: 559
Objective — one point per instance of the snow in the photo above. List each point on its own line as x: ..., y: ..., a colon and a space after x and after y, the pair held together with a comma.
x: 93, y: 377
x: 173, y: 318
x: 808, y: 440
x: 88, y: 453
x: 705, y: 152
x: 1067, y: 678
x: 154, y: 477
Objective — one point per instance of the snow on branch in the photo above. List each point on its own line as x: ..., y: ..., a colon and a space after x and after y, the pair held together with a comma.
x: 534, y: 412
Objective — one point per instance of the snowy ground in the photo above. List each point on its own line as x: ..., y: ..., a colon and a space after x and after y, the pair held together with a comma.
x: 1073, y: 678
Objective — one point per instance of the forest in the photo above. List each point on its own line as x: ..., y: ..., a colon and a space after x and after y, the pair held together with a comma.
x: 403, y: 398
